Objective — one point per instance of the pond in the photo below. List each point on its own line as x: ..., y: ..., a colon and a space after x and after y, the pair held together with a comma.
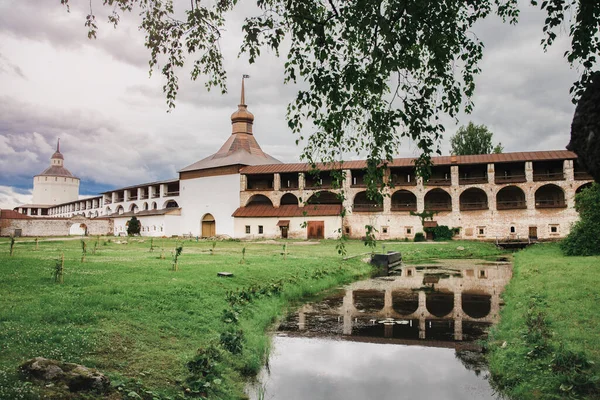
x: 407, y: 336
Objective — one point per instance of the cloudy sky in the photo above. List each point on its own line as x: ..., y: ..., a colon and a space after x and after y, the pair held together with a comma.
x: 97, y: 96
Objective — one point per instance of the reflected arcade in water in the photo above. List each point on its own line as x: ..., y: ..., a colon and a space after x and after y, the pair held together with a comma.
x: 451, y: 302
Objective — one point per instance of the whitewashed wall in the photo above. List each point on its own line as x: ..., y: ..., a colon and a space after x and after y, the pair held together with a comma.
x: 216, y: 195
x: 296, y: 229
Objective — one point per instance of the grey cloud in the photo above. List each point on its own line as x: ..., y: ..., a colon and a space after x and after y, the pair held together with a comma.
x: 49, y: 21
x: 95, y: 147
x: 7, y: 67
x: 10, y: 198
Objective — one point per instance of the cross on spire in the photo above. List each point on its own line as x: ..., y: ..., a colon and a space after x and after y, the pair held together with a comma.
x: 243, y: 96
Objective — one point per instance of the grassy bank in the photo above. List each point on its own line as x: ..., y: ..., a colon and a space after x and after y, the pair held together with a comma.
x: 124, y: 311
x: 547, y: 345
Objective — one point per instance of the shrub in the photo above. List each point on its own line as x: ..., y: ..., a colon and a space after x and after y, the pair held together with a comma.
x: 419, y: 237
x: 441, y: 232
x: 205, y: 372
x: 232, y: 340
x: 134, y: 227
x: 584, y: 238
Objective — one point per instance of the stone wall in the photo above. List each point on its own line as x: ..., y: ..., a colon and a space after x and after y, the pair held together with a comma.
x: 40, y: 227
x: 493, y: 221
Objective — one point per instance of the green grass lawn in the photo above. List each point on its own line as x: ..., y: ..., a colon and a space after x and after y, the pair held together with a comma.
x: 125, y: 312
x: 550, y: 326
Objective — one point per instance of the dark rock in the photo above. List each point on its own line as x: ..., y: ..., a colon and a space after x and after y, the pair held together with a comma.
x: 585, y: 129
x: 76, y: 377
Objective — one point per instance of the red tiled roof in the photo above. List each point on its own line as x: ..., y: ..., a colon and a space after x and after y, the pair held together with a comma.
x: 409, y: 162
x: 10, y: 214
x: 288, y: 210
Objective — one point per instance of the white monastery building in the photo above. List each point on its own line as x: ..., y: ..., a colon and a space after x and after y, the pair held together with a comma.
x: 242, y: 192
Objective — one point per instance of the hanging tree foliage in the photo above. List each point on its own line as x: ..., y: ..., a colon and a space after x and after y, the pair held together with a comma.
x: 377, y: 71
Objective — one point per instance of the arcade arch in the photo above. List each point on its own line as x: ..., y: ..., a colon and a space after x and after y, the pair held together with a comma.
x: 404, y: 200
x: 363, y: 203
x: 171, y: 204
x: 324, y: 197
x: 473, y: 199
x: 438, y: 200
x: 288, y: 199
x: 259, y: 200
x: 510, y: 198
x: 550, y: 196
x: 583, y: 187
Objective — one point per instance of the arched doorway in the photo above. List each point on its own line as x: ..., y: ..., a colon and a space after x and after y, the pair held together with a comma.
x: 208, y: 226
x: 78, y: 229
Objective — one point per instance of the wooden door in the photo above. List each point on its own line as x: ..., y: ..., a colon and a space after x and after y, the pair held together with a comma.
x: 208, y: 229
x: 316, y: 229
x: 284, y: 232
x: 533, y: 232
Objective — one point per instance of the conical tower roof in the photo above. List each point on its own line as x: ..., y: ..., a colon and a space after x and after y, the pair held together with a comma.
x: 241, y: 148
x: 56, y: 167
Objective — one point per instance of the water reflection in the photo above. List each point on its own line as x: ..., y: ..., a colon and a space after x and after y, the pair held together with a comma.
x: 450, y: 302
x: 406, y: 336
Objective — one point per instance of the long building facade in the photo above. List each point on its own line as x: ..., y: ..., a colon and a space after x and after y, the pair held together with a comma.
x: 242, y: 192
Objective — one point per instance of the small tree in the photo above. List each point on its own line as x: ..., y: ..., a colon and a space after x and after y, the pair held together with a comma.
x: 584, y: 238
x: 474, y: 139
x: 176, y: 255
x: 134, y: 227
x: 59, y: 269
x: 243, y: 260
x: 83, y: 250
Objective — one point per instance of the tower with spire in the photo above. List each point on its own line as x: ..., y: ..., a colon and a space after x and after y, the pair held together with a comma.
x: 210, y: 188
x: 56, y: 184
x: 241, y: 148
